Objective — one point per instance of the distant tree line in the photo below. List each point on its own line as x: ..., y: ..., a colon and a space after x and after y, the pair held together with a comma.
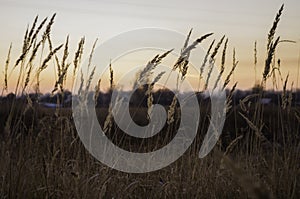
x: 139, y: 97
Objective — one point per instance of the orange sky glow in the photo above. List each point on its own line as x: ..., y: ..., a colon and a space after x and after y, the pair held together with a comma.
x: 242, y: 23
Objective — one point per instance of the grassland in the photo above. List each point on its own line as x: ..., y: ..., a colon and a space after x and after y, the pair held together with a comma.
x: 41, y: 155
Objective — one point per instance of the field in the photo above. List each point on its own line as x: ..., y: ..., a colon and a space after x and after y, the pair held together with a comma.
x: 41, y: 155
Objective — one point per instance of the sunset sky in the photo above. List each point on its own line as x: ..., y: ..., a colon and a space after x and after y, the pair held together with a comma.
x: 243, y: 23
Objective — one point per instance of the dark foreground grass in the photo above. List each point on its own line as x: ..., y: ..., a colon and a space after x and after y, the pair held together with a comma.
x: 46, y: 159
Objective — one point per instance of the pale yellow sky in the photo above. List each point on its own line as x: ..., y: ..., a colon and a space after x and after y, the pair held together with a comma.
x: 242, y: 22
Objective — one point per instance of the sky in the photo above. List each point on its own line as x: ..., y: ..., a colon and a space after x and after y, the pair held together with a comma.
x: 243, y: 23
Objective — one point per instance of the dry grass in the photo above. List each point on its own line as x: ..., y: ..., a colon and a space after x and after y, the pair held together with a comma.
x: 41, y: 155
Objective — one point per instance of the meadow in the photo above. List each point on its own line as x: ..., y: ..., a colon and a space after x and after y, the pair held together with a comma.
x: 41, y: 155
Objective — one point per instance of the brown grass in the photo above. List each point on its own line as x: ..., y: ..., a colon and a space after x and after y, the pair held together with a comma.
x: 41, y: 155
